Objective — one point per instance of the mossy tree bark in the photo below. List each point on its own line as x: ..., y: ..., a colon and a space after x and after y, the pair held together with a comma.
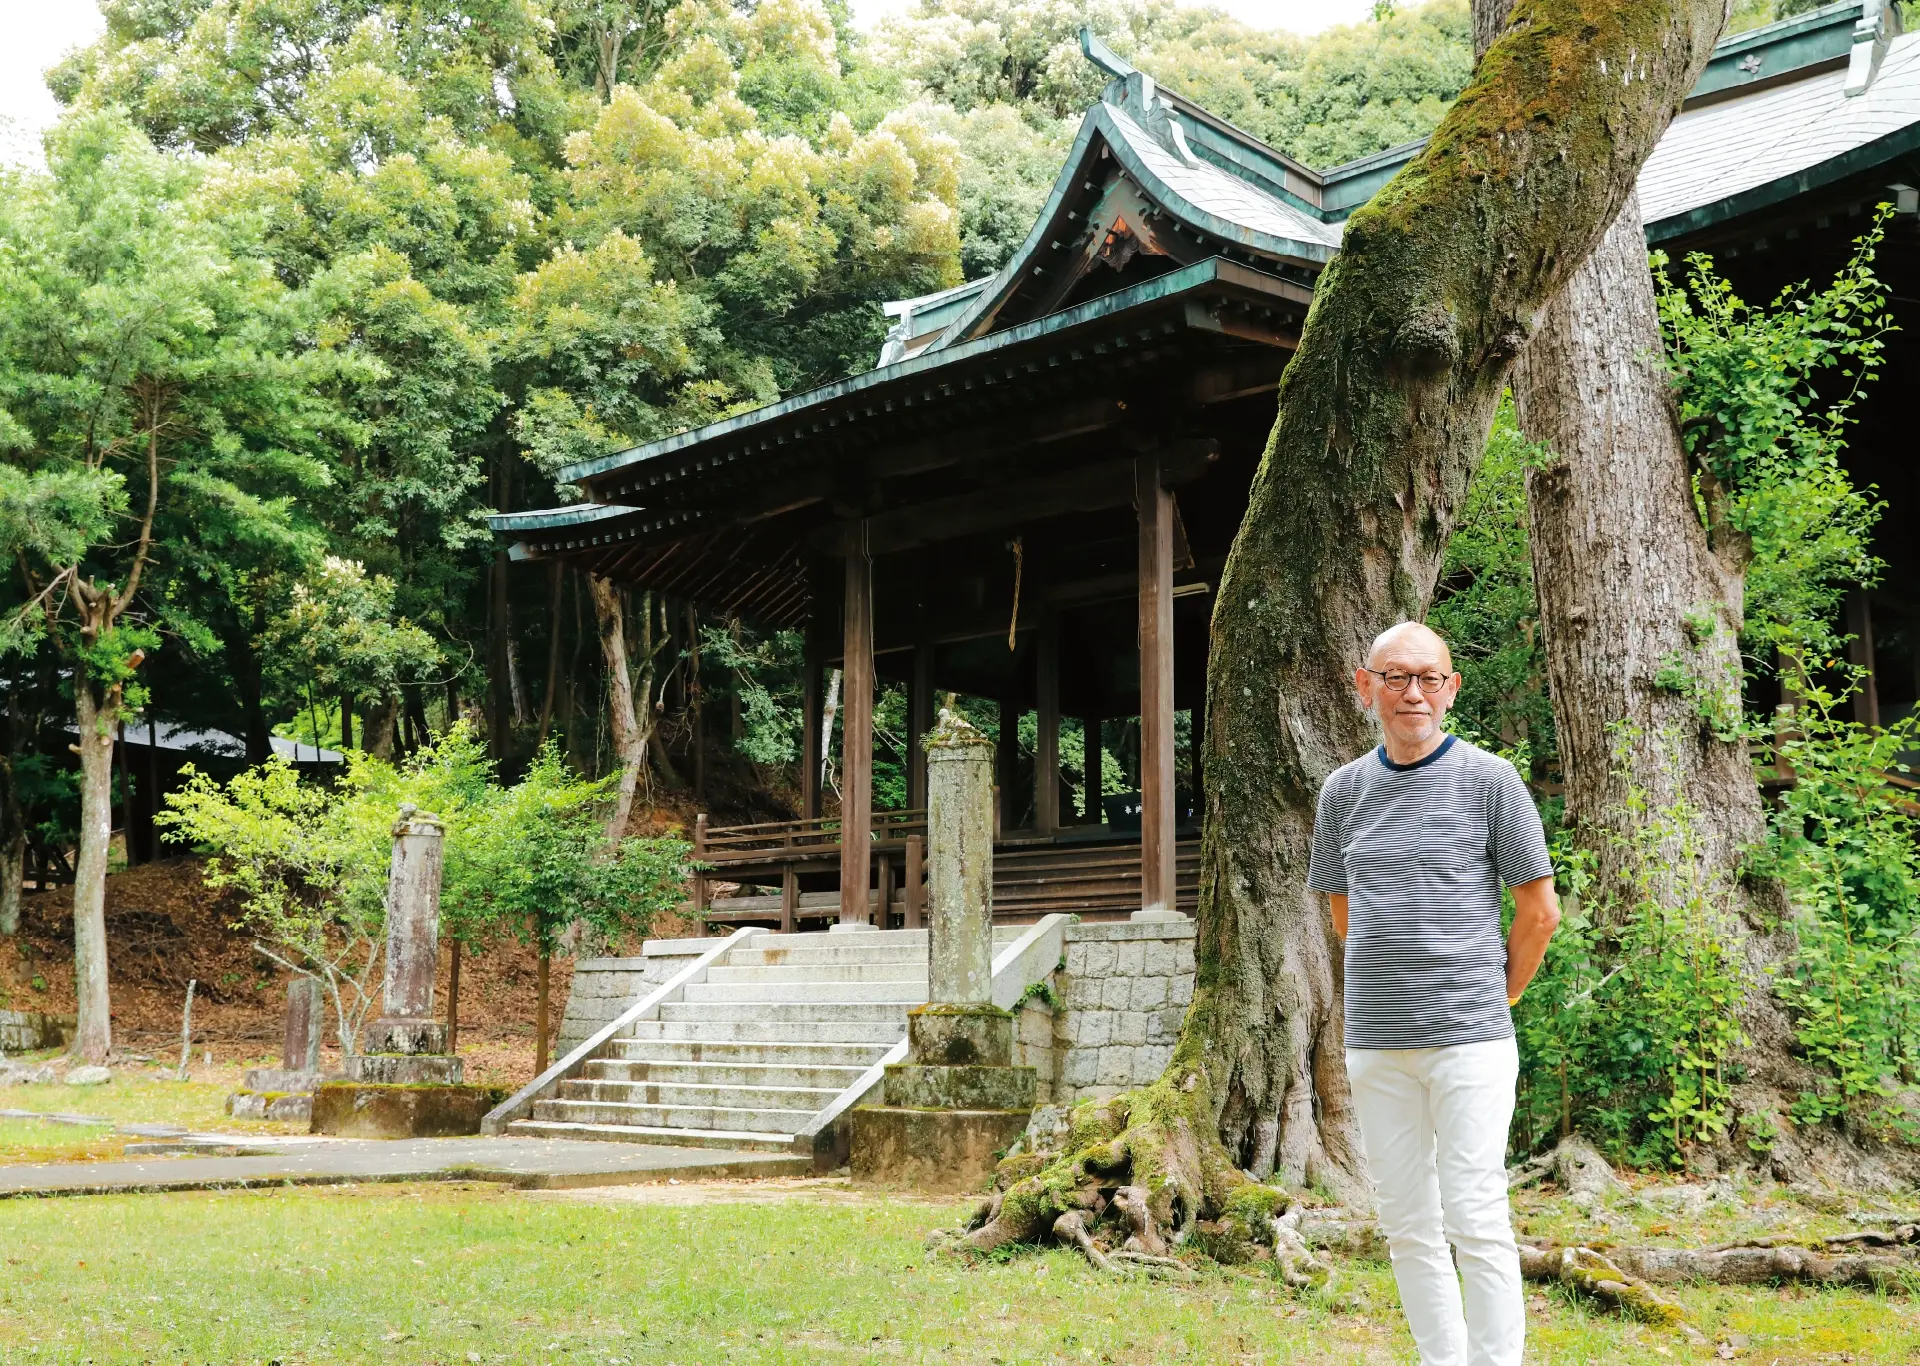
x: 1383, y: 415
x: 1636, y: 593
x: 1384, y: 412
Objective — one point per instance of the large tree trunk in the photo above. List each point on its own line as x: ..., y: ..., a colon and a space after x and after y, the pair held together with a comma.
x: 1633, y: 596
x: 1384, y: 412
x: 13, y: 851
x: 95, y: 712
x: 629, y: 740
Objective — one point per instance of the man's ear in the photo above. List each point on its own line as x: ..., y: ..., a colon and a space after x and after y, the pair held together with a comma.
x: 1363, y: 684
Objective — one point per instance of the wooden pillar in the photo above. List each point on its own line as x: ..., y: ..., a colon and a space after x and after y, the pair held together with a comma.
x: 856, y: 740
x: 1092, y: 764
x: 699, y: 852
x: 919, y: 722
x: 1866, y: 702
x: 810, y: 703
x: 883, y: 904
x: 696, y: 703
x: 1006, y: 768
x: 916, y: 883
x: 789, y: 898
x: 1046, y: 745
x: 1155, y: 506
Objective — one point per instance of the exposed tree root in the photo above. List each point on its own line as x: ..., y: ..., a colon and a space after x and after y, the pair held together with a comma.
x: 1139, y: 1183
x: 1587, y: 1271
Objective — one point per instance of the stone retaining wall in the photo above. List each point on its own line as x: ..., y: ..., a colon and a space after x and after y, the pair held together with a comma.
x: 1115, y: 1011
x: 603, y: 988
x: 22, y: 1031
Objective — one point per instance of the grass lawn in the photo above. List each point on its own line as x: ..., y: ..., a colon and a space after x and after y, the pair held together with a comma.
x: 457, y: 1273
x: 139, y: 1097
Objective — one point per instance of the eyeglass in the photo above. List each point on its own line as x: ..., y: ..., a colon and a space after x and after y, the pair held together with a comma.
x: 1397, y: 681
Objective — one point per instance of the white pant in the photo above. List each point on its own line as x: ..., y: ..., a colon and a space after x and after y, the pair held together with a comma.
x: 1435, y: 1124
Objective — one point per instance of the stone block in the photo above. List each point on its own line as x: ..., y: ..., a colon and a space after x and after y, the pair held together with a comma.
x: 1180, y: 989
x: 1096, y: 1029
x: 281, y: 1079
x: 955, y: 1035
x: 247, y: 1105
x: 1164, y: 1026
x: 296, y: 1109
x: 1130, y: 1027
x: 352, y: 1110
x: 1116, y: 1066
x: 1100, y: 960
x: 1152, y: 1060
x: 88, y: 1076
x: 940, y: 1151
x: 1157, y: 958
x: 1150, y: 993
x: 1183, y: 956
x: 1082, y: 993
x: 391, y: 1035
x: 1129, y: 958
x: 919, y: 1087
x: 1082, y: 1066
x: 1076, y: 956
x: 1116, y: 993
x: 405, y: 1069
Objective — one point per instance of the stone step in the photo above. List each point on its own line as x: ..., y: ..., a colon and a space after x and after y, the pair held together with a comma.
x: 708, y: 1117
x: 823, y: 954
x: 881, y: 1031
x: 679, y: 1138
x: 902, y: 993
x: 803, y: 1100
x: 864, y: 938
x: 754, y: 1070
x: 820, y: 972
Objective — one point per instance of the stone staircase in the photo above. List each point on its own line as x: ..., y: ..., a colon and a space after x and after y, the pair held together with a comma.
x: 748, y: 1057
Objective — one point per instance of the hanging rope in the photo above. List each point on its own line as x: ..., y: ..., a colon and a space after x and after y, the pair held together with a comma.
x: 1019, y: 558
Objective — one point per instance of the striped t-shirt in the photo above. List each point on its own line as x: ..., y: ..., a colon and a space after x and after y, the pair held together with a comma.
x: 1420, y: 850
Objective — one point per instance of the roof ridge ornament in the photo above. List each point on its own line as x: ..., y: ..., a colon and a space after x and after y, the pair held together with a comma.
x: 1878, y: 25
x: 1136, y: 92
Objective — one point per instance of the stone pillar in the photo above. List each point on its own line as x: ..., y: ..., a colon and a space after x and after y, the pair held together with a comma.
x: 959, y: 864
x: 958, y: 1101
x: 413, y: 917
x: 306, y: 1019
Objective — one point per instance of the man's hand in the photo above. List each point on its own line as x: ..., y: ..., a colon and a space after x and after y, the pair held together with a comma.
x: 1339, y: 903
x: 1536, y: 914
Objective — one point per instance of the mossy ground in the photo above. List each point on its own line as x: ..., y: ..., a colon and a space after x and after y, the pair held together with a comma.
x: 452, y: 1273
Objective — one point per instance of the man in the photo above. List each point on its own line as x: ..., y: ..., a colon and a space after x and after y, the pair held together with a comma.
x: 1412, y: 843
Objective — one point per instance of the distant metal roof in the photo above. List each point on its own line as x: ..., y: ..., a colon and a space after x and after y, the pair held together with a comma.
x: 220, y: 744
x: 1726, y: 159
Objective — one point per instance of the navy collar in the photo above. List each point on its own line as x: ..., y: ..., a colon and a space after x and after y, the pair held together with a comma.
x: 1392, y: 767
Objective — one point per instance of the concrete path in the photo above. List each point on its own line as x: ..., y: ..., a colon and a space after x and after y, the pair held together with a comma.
x: 528, y: 1163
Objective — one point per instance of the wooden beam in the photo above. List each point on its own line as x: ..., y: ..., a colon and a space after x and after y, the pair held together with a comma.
x: 1155, y: 505
x: 856, y: 754
x: 1108, y: 484
x: 1046, y: 748
x: 696, y: 704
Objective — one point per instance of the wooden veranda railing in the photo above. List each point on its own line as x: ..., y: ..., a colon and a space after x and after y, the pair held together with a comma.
x: 786, y: 849
x: 1031, y: 878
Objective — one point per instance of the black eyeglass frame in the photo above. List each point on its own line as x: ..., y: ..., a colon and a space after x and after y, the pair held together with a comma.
x: 1382, y: 675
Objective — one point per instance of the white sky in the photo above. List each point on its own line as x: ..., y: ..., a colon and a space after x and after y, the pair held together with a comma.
x: 35, y: 34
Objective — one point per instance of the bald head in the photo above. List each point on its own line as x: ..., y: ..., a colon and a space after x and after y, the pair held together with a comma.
x: 1411, y: 643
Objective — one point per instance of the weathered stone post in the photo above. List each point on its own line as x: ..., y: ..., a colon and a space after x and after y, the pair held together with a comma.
x: 959, y: 864
x: 286, y: 1092
x: 406, y: 1024
x: 404, y: 1084
x: 306, y: 1017
x: 958, y: 1100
